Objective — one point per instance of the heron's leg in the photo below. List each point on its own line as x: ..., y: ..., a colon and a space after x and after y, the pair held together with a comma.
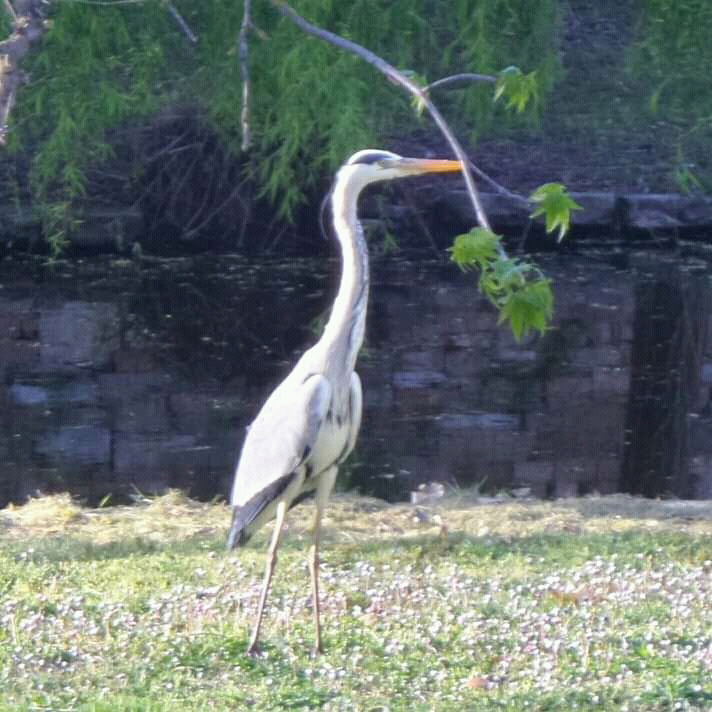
x: 271, y: 561
x: 326, y: 484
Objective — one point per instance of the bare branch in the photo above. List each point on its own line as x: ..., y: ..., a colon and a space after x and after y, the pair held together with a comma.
x: 105, y: 2
x: 10, y: 10
x: 5, y: 110
x: 259, y: 31
x: 192, y: 37
x: 460, y: 79
x: 172, y: 9
x: 514, y: 197
x: 243, y: 53
x: 488, y: 78
x: 397, y: 78
x: 28, y: 27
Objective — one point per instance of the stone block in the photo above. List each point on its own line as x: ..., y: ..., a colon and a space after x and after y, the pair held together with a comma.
x: 478, y: 421
x: 138, y: 452
x: 570, y: 475
x: 17, y: 356
x: 706, y: 374
x: 533, y: 472
x: 80, y: 444
x: 650, y: 211
x: 612, y: 380
x: 418, y: 379
x: 54, y: 392
x: 79, y: 335
x: 143, y: 415
x: 127, y: 387
x: 701, y: 468
x: 430, y: 360
x: 608, y: 475
x: 561, y: 389
x: 598, y: 208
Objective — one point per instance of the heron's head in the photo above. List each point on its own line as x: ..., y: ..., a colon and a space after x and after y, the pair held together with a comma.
x: 373, y: 165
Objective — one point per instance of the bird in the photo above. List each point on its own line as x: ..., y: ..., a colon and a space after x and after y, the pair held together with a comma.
x: 308, y: 426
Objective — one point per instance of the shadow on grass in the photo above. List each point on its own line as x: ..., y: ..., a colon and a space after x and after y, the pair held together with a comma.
x: 56, y: 549
x: 539, y: 551
x: 82, y: 548
x: 640, y: 508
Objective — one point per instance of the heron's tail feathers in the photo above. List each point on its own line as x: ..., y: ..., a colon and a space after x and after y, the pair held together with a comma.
x: 237, y: 535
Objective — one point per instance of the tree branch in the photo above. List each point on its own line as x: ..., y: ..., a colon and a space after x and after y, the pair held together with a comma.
x: 488, y: 78
x: 10, y: 10
x: 28, y: 27
x: 192, y: 37
x: 514, y: 197
x: 461, y: 78
x: 243, y: 53
x: 400, y: 79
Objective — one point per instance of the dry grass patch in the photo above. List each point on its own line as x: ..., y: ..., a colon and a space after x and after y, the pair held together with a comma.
x: 353, y: 518
x: 169, y: 517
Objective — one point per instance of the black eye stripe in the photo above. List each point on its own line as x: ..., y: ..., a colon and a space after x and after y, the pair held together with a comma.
x: 369, y: 158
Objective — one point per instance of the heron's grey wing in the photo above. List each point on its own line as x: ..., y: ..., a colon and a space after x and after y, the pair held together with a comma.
x: 278, y: 441
x: 355, y: 409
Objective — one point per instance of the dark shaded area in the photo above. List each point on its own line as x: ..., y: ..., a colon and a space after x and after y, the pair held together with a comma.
x: 669, y: 333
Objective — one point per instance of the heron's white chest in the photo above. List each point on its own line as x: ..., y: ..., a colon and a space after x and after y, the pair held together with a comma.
x: 332, y: 442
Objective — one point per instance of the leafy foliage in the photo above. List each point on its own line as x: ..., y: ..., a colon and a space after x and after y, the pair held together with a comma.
x: 519, y: 89
x: 476, y: 248
x: 671, y: 56
x: 555, y: 204
x: 105, y: 66
x: 518, y: 290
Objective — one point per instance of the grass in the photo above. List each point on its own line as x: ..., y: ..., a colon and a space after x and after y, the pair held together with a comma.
x: 589, y: 604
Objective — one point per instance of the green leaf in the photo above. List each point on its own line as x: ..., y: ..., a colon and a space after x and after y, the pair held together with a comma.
x: 530, y: 307
x: 555, y: 203
x: 476, y: 248
x: 516, y: 288
x: 518, y: 88
x: 416, y: 101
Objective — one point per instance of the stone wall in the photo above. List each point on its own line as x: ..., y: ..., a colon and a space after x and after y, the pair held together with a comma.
x: 116, y: 376
x: 455, y: 398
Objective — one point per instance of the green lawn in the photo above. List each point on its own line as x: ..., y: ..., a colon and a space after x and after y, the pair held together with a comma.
x: 598, y: 603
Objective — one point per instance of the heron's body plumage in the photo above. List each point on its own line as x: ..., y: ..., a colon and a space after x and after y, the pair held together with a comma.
x: 309, y: 425
x: 310, y: 422
x: 294, y: 452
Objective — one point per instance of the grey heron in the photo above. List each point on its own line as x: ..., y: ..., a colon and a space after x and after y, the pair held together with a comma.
x: 308, y: 425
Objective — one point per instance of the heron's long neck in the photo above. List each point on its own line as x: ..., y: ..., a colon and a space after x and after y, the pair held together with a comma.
x: 344, y: 331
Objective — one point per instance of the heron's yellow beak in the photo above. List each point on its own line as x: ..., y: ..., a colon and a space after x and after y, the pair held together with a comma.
x: 438, y: 165
x: 417, y: 166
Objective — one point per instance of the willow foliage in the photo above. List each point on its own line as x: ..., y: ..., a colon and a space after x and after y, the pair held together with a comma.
x: 102, y: 67
x: 672, y: 57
